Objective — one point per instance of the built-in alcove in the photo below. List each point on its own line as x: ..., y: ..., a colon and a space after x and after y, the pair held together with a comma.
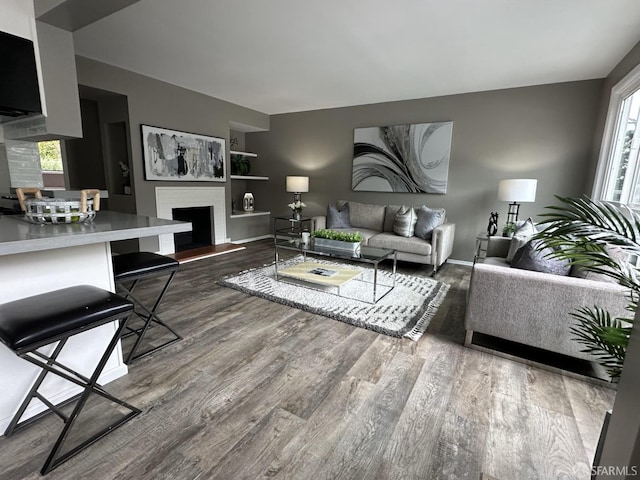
x: 202, y: 233
x: 102, y: 158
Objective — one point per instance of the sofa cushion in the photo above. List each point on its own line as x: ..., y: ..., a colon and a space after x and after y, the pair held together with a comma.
x: 365, y: 215
x: 614, y: 252
x: 390, y: 217
x: 428, y: 219
x: 531, y: 257
x: 338, y: 218
x: 402, y: 244
x: 405, y: 222
x: 523, y: 233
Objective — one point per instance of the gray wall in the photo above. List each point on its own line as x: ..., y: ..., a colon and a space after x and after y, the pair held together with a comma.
x: 544, y: 132
x: 83, y: 156
x: 152, y: 102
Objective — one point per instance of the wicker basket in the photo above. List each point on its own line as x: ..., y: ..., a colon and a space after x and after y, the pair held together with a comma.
x: 61, y: 210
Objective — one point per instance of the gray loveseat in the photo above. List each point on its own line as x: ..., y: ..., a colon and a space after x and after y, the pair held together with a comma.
x: 532, y: 308
x: 375, y: 224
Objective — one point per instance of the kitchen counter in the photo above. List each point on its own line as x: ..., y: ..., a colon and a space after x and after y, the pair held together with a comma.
x: 18, y: 235
x: 40, y: 258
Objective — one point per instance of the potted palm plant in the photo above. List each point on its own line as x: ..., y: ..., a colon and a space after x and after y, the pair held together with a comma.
x: 585, y: 231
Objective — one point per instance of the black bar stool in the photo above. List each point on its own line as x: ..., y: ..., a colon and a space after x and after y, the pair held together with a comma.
x: 128, y: 270
x: 34, y: 322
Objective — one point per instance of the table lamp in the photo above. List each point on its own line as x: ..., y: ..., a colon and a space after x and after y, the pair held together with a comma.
x: 515, y: 191
x: 297, y: 185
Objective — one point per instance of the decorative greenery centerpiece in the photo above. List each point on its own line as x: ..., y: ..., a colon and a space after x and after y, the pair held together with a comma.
x: 582, y: 231
x: 338, y: 236
x: 509, y: 229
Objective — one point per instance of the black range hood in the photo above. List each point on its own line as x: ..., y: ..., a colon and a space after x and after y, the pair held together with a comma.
x: 19, y: 92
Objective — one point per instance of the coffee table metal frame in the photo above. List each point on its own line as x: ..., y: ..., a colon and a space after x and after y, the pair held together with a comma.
x: 369, y: 255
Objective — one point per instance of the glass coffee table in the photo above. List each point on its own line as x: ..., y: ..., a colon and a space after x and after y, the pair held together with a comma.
x: 367, y: 255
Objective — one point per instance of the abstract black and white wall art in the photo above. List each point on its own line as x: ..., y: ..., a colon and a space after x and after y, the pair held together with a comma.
x: 402, y: 158
x: 182, y: 156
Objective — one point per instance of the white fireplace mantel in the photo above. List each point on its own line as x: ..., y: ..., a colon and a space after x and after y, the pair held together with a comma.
x: 168, y: 198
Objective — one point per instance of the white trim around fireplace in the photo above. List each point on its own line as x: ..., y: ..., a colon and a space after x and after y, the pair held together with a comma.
x: 168, y: 198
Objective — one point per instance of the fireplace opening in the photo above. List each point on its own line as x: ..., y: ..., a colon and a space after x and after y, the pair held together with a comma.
x: 201, y: 234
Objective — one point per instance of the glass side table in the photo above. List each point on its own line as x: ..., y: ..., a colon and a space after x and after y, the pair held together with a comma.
x: 291, y: 227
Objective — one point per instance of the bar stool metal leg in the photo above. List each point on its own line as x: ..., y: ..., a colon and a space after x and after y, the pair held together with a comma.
x: 149, y: 316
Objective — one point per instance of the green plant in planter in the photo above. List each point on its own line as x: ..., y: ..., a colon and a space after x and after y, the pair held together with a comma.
x: 581, y: 230
x: 509, y: 229
x: 240, y: 164
x: 340, y: 236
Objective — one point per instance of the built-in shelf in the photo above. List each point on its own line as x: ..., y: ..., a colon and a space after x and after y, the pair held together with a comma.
x: 242, y: 214
x: 247, y: 177
x: 245, y: 154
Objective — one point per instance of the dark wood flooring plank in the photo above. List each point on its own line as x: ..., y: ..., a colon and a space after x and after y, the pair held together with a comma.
x: 412, y: 446
x: 359, y: 452
x: 316, y: 440
x: 258, y: 447
x: 460, y: 450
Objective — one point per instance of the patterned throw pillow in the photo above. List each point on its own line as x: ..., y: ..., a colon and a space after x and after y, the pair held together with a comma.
x: 338, y: 218
x: 521, y: 236
x: 428, y: 219
x: 405, y: 222
x: 530, y: 257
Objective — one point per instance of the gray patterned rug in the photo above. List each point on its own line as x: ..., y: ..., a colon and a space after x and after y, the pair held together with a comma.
x: 404, y: 312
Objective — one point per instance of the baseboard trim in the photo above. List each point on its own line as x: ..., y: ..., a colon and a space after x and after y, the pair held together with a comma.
x: 252, y: 239
x: 460, y: 262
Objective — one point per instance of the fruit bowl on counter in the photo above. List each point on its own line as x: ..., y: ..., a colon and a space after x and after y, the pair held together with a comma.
x: 44, y: 210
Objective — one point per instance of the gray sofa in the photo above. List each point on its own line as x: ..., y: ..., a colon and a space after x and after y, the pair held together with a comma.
x: 532, y: 308
x: 375, y: 224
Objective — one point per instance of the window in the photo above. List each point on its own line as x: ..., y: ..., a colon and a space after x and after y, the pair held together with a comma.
x: 51, y: 164
x: 618, y: 174
x: 50, y: 156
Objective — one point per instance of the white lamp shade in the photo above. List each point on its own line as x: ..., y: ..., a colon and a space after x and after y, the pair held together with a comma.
x: 517, y: 190
x: 297, y: 184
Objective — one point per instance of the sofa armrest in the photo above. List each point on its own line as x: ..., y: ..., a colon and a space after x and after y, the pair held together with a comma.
x: 318, y: 222
x: 533, y: 308
x: 442, y: 243
x: 498, y: 246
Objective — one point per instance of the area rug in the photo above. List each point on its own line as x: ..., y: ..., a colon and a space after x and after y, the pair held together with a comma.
x: 405, y: 311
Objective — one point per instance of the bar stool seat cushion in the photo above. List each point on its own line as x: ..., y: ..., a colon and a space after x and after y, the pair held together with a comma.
x: 42, y: 319
x: 131, y: 265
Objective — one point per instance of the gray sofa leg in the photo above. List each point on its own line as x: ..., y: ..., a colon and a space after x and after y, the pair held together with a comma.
x: 468, y: 338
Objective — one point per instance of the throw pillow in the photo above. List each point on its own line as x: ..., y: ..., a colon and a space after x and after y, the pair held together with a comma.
x: 338, y: 218
x: 405, y: 222
x: 523, y: 233
x: 428, y: 219
x: 616, y: 253
x: 531, y: 257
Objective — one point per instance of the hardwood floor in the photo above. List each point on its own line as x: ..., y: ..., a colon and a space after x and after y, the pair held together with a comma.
x: 261, y: 390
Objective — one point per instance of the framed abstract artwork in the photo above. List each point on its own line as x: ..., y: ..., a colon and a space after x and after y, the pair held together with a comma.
x: 402, y: 158
x: 181, y: 156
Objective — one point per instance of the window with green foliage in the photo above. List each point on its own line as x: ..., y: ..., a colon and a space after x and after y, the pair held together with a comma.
x: 618, y: 176
x: 50, y: 156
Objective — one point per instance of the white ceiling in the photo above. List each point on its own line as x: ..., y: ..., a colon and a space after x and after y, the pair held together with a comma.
x: 280, y: 56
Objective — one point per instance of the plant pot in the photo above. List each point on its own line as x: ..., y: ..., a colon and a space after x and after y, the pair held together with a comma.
x: 352, y: 247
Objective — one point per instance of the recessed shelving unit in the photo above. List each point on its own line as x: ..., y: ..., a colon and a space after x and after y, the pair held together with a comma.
x: 242, y: 214
x: 244, y: 154
x: 247, y: 177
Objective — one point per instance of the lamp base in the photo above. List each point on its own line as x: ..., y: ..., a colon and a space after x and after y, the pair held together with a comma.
x: 512, y: 213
